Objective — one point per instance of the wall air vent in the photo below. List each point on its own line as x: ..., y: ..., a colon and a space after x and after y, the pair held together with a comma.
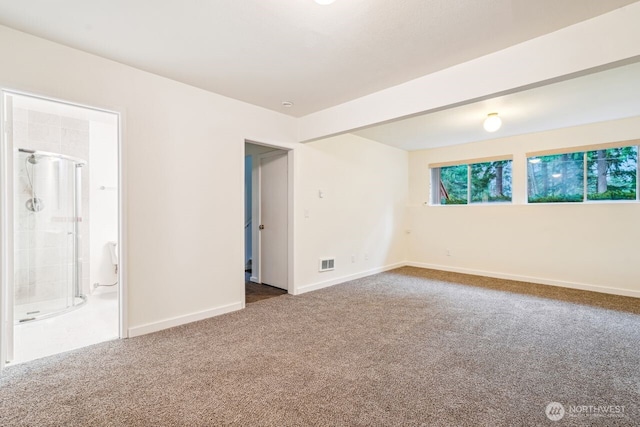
x: 327, y: 264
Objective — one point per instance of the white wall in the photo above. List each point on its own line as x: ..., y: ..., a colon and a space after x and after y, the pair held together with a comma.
x: 591, y: 245
x: 183, y: 183
x: 364, y: 184
x: 103, y: 163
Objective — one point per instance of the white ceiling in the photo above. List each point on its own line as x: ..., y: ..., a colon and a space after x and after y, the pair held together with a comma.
x: 606, y: 95
x: 268, y: 51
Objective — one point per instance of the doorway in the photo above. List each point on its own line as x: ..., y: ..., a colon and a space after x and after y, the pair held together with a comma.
x: 267, y: 231
x: 60, y: 234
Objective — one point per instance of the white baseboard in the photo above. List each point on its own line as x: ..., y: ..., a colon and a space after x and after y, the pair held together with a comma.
x: 194, y: 317
x: 338, y: 280
x: 538, y: 280
x: 181, y: 320
x: 253, y: 279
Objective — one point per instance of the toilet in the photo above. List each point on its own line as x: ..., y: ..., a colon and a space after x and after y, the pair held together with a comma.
x: 113, y: 250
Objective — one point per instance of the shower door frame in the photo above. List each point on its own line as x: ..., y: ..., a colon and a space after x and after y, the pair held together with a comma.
x: 76, y: 290
x: 7, y: 221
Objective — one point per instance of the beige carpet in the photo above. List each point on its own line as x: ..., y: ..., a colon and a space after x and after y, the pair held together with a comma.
x: 408, y: 347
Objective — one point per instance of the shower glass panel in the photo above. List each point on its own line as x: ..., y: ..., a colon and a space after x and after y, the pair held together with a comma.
x: 46, y: 215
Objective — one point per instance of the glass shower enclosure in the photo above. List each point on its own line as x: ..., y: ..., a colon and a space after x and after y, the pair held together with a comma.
x: 47, y: 213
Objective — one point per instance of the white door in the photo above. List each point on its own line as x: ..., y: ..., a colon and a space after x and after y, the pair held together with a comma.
x: 273, y: 220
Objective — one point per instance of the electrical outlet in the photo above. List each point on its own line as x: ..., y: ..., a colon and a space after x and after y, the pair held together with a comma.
x: 448, y: 252
x: 353, y: 258
x: 366, y: 257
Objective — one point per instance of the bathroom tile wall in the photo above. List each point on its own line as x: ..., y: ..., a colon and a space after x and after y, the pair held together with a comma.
x: 43, y: 247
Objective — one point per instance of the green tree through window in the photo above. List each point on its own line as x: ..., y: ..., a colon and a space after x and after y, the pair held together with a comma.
x: 454, y: 181
x: 490, y: 183
x: 556, y: 178
x: 611, y: 175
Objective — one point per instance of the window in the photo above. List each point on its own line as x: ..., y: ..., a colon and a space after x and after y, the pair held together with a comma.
x: 556, y: 178
x: 453, y: 185
x: 491, y: 182
x: 611, y: 174
x: 485, y: 182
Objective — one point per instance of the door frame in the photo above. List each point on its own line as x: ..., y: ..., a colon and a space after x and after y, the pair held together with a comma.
x: 291, y: 285
x: 6, y: 233
x: 6, y: 219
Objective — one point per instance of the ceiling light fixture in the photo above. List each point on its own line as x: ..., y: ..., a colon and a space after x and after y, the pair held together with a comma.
x: 492, y: 123
x: 287, y: 104
x: 324, y: 2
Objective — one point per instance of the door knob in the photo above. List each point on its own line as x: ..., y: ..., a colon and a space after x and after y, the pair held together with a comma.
x: 261, y: 227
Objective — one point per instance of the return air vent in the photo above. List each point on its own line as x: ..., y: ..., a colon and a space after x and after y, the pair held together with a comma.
x: 327, y: 264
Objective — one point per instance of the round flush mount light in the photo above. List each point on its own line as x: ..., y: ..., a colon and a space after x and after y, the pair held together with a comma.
x: 324, y: 2
x: 492, y: 123
x: 287, y: 104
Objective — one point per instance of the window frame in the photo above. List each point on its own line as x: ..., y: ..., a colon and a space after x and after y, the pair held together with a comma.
x: 584, y: 149
x: 434, y: 170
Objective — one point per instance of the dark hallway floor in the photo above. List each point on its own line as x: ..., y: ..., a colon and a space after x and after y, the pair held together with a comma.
x: 256, y: 292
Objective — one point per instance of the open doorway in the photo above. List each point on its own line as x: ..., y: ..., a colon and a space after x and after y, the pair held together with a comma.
x: 266, y: 222
x: 60, y: 233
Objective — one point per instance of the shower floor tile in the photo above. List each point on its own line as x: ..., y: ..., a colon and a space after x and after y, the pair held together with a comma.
x: 94, y: 322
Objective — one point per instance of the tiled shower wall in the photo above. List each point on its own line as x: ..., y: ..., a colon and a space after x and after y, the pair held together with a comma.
x: 41, y: 257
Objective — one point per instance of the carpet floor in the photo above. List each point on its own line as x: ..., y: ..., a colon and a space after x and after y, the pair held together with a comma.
x: 409, y: 347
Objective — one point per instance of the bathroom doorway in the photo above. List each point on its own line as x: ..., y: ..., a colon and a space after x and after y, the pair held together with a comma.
x: 62, y: 288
